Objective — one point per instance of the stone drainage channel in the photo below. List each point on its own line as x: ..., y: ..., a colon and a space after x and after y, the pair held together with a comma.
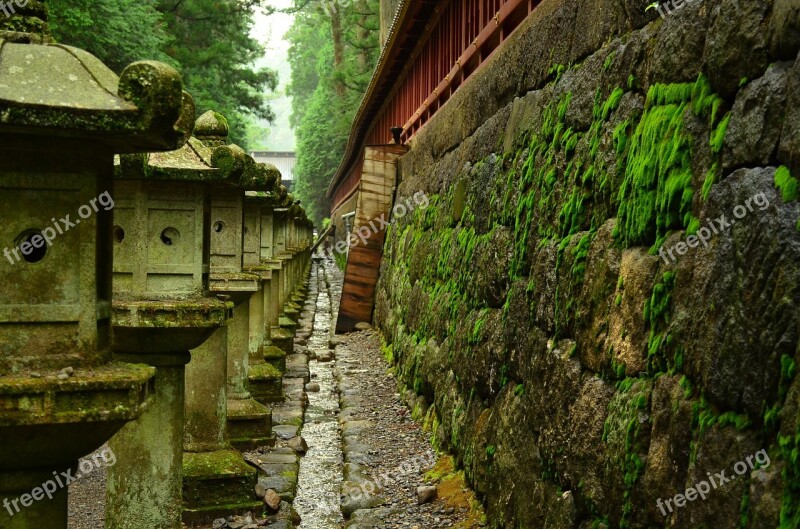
x: 320, y: 476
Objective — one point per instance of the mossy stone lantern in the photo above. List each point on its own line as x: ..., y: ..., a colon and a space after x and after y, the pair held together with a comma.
x: 63, y: 116
x: 251, y: 263
x: 287, y: 322
x: 249, y: 423
x: 216, y: 479
x: 162, y: 309
x: 267, y: 362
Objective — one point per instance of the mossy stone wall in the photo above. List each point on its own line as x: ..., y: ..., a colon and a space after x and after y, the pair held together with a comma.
x: 578, y: 371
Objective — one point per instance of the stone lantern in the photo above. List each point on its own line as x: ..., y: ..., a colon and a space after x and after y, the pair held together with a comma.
x: 299, y: 246
x: 249, y: 422
x: 216, y: 479
x: 163, y: 309
x: 266, y: 361
x: 290, y: 311
x: 282, y: 328
x: 64, y: 116
x: 251, y: 263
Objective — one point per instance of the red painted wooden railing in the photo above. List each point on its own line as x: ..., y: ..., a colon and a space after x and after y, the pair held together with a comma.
x: 461, y: 35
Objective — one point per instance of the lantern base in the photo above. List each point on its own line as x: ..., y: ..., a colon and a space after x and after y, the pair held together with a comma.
x: 266, y: 383
x: 249, y: 424
x: 218, y: 484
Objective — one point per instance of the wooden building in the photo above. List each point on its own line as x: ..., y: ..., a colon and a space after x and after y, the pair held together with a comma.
x: 430, y: 50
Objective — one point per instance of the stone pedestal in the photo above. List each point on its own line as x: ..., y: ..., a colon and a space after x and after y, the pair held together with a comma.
x: 150, y: 443
x: 216, y: 479
x: 249, y: 421
x: 264, y: 378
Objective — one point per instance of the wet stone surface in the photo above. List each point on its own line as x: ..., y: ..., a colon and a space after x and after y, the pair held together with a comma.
x: 348, y: 454
x: 386, y: 453
x: 321, y: 468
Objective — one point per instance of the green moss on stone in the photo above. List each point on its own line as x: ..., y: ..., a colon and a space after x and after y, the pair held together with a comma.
x: 656, y: 314
x: 622, y: 433
x: 656, y: 192
x: 787, y: 184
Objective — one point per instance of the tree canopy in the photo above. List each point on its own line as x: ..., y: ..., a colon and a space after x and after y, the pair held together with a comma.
x: 334, y: 48
x: 208, y: 41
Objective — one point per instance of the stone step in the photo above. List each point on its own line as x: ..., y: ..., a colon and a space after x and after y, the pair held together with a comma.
x: 249, y: 424
x: 217, y: 484
x: 282, y: 338
x: 266, y: 384
x: 275, y: 356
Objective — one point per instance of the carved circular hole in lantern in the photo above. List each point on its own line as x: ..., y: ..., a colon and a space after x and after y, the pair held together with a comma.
x: 170, y: 236
x: 119, y: 234
x: 218, y: 226
x: 34, y: 253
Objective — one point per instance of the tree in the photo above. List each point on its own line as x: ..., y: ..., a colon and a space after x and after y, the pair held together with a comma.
x: 332, y: 55
x: 213, y: 46
x: 206, y: 40
x: 117, y: 32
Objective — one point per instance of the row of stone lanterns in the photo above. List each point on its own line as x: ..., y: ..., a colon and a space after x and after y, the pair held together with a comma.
x: 185, y: 303
x: 207, y: 250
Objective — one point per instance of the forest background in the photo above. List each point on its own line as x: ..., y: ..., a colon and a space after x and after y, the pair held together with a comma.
x: 333, y: 50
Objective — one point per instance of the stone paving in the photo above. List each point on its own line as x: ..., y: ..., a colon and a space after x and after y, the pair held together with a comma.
x: 387, y: 454
x: 348, y: 453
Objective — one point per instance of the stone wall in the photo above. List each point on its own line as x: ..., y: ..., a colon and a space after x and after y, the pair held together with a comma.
x: 579, y: 370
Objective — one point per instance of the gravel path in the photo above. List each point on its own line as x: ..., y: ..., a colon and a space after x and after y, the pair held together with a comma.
x: 383, y: 444
x: 87, y: 498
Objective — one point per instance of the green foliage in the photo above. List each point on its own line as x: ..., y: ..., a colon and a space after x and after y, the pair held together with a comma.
x: 504, y: 375
x: 656, y: 192
x: 687, y: 387
x: 705, y: 416
x: 476, y: 335
x: 622, y: 434
x: 117, y: 32
x: 609, y: 60
x: 388, y: 353
x: 790, y: 503
x: 332, y: 55
x: 788, y: 371
x: 772, y: 413
x: 208, y: 41
x: 656, y: 314
x: 556, y: 70
x: 519, y: 390
x: 341, y: 260
x: 572, y: 351
x: 739, y: 421
x: 718, y: 134
x: 711, y: 177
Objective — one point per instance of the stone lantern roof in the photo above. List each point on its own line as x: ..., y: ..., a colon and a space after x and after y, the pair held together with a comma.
x: 194, y: 161
x: 212, y: 129
x: 50, y: 89
x: 203, y: 158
